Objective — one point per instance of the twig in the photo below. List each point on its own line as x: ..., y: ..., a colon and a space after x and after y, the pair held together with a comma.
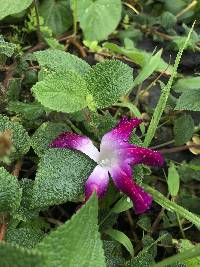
x: 17, y: 168
x: 177, y: 149
x: 3, y: 231
x: 191, y: 5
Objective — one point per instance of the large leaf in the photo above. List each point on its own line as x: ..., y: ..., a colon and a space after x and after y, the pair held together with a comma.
x: 189, y: 100
x: 57, y: 15
x: 186, y: 84
x: 56, y: 60
x: 10, y: 7
x: 77, y: 242
x: 60, y: 177
x: 108, y: 81
x: 64, y: 91
x: 10, y: 192
x: 98, y: 18
x: 11, y: 256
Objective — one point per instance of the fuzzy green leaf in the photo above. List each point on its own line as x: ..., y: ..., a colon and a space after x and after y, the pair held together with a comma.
x: 183, y: 129
x: 63, y: 91
x: 56, y: 60
x: 77, y: 242
x: 98, y: 18
x: 60, y: 177
x: 57, y: 15
x: 108, y: 81
x: 10, y: 191
x: 10, y: 7
x: 19, y: 138
x: 6, y: 48
x: 185, y: 84
x: 45, y: 134
x: 11, y: 256
x: 189, y: 100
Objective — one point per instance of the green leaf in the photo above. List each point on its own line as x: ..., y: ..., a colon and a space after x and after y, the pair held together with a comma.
x: 5, y: 47
x: 24, y: 211
x: 29, y: 111
x: 108, y: 81
x: 185, y: 84
x: 181, y: 257
x: 60, y: 177
x: 45, y: 134
x: 113, y: 253
x: 122, y: 205
x: 183, y: 246
x: 77, y: 242
x: 20, y: 140
x: 138, y: 56
x: 148, y: 68
x: 164, y: 96
x: 172, y: 206
x: 57, y: 15
x: 98, y: 18
x: 10, y: 192
x: 56, y: 60
x: 24, y: 236
x: 63, y: 91
x: 143, y: 259
x: 189, y: 100
x: 173, y: 180
x: 183, y: 129
x: 10, y: 7
x: 121, y: 238
x: 20, y: 257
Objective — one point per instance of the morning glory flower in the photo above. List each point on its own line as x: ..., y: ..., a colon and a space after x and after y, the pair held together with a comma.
x: 115, y: 158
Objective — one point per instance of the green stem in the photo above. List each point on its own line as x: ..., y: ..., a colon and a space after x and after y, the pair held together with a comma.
x: 75, y: 18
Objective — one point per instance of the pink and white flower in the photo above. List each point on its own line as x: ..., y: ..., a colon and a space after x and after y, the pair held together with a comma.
x: 115, y: 158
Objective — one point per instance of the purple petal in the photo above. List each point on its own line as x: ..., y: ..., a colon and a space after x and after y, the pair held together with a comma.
x: 141, y: 155
x: 97, y: 181
x: 74, y: 141
x: 121, y: 133
x: 124, y: 182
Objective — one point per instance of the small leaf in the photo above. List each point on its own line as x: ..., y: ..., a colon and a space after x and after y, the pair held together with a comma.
x: 173, y: 180
x: 183, y: 129
x: 6, y: 48
x: 19, y: 138
x: 121, y: 238
x: 63, y: 91
x: 98, y: 18
x: 57, y: 15
x: 122, y: 205
x: 187, y: 244
x: 77, y: 241
x: 108, y: 81
x: 148, y: 68
x: 189, y: 100
x: 10, y: 192
x: 60, y: 177
x: 10, y: 7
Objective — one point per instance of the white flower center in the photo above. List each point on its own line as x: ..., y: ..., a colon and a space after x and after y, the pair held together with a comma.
x: 107, y: 158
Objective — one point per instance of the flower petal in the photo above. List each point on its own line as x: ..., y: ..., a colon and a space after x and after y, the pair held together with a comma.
x: 74, y: 141
x: 124, y: 182
x: 141, y: 155
x: 97, y: 181
x: 121, y: 133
